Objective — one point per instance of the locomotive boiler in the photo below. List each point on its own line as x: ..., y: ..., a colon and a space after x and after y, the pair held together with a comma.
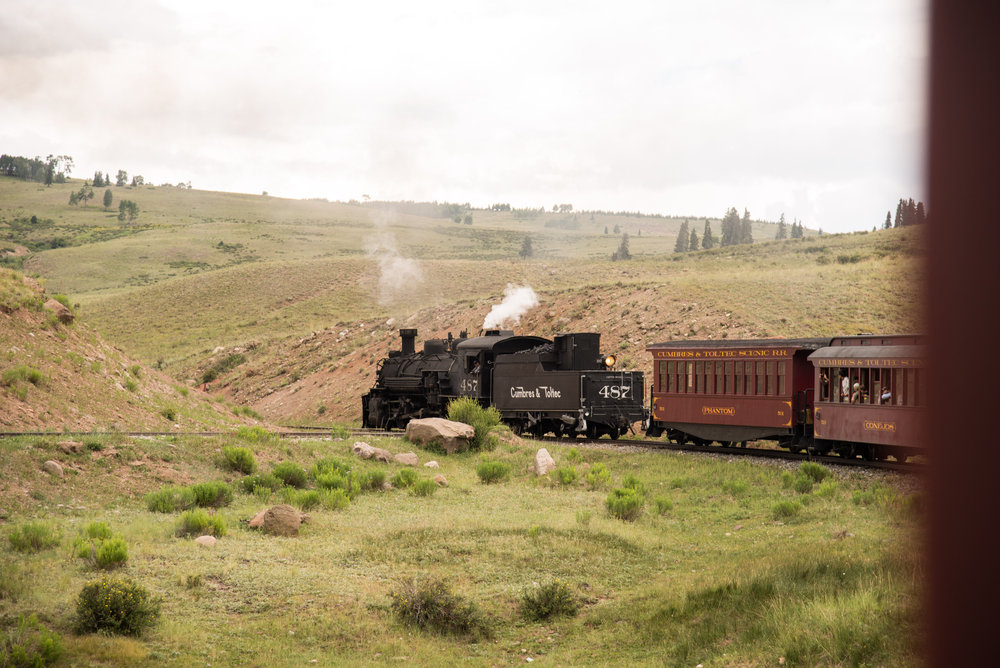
x: 563, y: 386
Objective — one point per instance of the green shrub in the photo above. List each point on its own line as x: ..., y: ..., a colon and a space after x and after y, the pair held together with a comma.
x: 633, y: 483
x: 424, y: 487
x: 566, y: 475
x: 215, y: 494
x: 370, y: 481
x: 785, y: 509
x: 305, y: 499
x: 329, y: 465
x: 663, y: 505
x: 583, y: 517
x: 802, y: 484
x: 827, y: 489
x: 247, y: 411
x: 573, y: 455
x: 260, y: 481
x: 10, y: 377
x: 135, y: 370
x: 169, y: 413
x: 96, y: 531
x: 468, y: 411
x: 255, y: 434
x: 170, y: 499
x: 432, y: 606
x: 117, y: 606
x: 787, y: 479
x: 131, y: 385
x: 340, y: 431
x: 492, y: 470
x: 198, y: 522
x: 405, y: 478
x: 598, y: 476
x: 290, y: 474
x: 33, y: 537
x: 111, y: 553
x: 222, y: 366
x: 334, y: 499
x: 550, y: 600
x: 239, y: 459
x: 332, y: 480
x: 863, y: 497
x: 30, y: 644
x: 817, y: 472
x: 625, y: 504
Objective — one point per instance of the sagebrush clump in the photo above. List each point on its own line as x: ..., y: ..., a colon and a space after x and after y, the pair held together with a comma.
x: 482, y: 420
x: 198, y: 523
x: 291, y: 474
x: 492, y: 470
x: 30, y: 644
x: 33, y: 537
x: 549, y: 600
x: 117, y: 606
x: 239, y: 459
x: 625, y: 503
x: 431, y: 605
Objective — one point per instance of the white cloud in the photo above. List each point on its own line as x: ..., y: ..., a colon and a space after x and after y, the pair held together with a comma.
x: 815, y: 109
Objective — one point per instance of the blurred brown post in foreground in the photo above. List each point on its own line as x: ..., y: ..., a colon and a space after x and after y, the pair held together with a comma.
x: 963, y: 313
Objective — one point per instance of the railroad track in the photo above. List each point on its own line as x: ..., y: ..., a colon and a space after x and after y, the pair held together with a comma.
x: 291, y: 432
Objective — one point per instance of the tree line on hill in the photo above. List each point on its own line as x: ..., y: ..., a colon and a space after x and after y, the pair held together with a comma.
x: 54, y: 169
x: 908, y: 213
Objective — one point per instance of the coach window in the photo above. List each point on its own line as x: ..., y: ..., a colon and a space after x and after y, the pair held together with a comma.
x: 738, y: 388
x: 728, y: 378
x: 760, y: 378
x: 825, y: 373
x: 689, y: 372
x: 720, y: 378
x: 781, y: 377
x: 699, y: 370
x: 770, y: 377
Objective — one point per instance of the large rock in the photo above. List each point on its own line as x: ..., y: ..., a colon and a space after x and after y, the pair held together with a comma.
x: 363, y: 450
x: 407, y: 458
x: 63, y: 313
x: 544, y: 462
x: 206, y: 541
x: 282, y: 520
x: 451, y: 436
x: 52, y: 467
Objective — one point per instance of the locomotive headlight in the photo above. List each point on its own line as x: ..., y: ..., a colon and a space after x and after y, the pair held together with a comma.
x: 609, y: 361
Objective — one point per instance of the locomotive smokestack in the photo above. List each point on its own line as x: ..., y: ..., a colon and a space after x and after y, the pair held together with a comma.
x: 408, y: 337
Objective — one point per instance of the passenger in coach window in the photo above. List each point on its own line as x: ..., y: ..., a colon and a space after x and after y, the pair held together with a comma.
x: 845, y: 386
x: 886, y: 397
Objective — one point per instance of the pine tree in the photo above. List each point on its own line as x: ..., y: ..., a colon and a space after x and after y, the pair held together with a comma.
x: 888, y: 221
x: 693, y: 244
x: 707, y: 240
x: 107, y: 198
x: 782, y: 232
x: 899, y: 214
x: 683, y: 237
x: 746, y: 232
x: 526, y: 250
x: 921, y: 214
x: 731, y: 228
x: 622, y: 252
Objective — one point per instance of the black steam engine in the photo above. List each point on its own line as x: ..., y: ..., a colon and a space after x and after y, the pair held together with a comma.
x: 563, y: 386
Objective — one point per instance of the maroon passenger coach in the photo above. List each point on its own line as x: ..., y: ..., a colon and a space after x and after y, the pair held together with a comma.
x: 733, y: 391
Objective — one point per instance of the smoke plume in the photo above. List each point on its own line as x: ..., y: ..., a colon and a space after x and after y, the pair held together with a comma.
x: 399, y: 277
x: 517, y: 301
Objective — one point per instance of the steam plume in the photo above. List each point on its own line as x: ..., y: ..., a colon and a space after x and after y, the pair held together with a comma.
x: 517, y: 301
x: 399, y: 277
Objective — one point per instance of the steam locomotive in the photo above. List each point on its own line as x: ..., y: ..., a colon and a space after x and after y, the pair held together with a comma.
x: 563, y: 386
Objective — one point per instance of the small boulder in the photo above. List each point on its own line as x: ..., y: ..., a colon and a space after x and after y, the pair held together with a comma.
x: 281, y: 520
x: 64, y: 314
x: 70, y: 447
x: 432, y: 464
x: 206, y: 541
x: 451, y: 436
x: 53, y: 467
x: 407, y: 459
x: 257, y: 520
x: 441, y: 480
x: 544, y: 462
x: 382, y: 455
x: 363, y: 450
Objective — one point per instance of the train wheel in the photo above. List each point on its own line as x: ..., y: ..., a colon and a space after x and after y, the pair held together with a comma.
x: 614, y: 433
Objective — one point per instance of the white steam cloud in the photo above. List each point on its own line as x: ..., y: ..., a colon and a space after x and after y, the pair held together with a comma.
x: 517, y: 301
x: 398, y: 276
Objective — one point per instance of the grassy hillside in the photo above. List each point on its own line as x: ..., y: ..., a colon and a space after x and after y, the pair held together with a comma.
x: 203, y: 274
x: 57, y: 376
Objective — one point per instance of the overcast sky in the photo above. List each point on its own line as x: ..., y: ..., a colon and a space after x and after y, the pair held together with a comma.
x: 811, y: 108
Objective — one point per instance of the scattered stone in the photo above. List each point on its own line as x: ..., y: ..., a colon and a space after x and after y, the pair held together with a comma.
x: 440, y: 480
x: 387, y: 486
x: 70, y: 447
x: 257, y: 520
x: 382, y: 455
x: 544, y: 462
x: 281, y: 520
x: 432, y: 464
x: 451, y: 436
x: 206, y: 541
x: 64, y: 314
x: 53, y: 467
x: 363, y: 450
x: 407, y: 459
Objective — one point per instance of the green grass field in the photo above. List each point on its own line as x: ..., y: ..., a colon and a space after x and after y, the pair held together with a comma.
x: 717, y: 579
